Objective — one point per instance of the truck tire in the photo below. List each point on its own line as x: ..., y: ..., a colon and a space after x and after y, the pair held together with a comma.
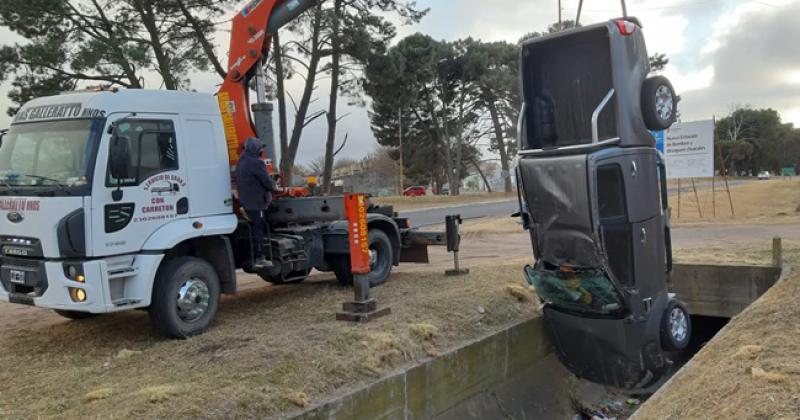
x: 185, y: 297
x: 659, y: 103
x: 74, y: 315
x: 381, y: 261
x: 676, y: 326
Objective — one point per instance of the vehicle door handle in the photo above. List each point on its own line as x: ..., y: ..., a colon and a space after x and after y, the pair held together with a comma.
x: 644, y: 236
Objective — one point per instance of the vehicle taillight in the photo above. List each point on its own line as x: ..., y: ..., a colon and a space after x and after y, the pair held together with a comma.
x: 626, y: 27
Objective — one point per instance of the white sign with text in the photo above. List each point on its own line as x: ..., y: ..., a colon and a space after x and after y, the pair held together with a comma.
x: 688, y: 149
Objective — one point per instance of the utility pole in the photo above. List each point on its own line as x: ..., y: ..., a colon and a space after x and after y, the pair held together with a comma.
x: 400, y: 135
x: 624, y: 9
x: 560, y: 25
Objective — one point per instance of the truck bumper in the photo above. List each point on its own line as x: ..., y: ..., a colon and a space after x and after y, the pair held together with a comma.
x: 46, y: 284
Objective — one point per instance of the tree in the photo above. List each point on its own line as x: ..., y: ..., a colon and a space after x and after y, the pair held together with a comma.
x: 111, y: 42
x: 754, y: 140
x: 658, y: 62
x: 422, y: 83
x: 494, y: 68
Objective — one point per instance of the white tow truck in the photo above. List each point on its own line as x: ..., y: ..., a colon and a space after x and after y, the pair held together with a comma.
x: 112, y: 201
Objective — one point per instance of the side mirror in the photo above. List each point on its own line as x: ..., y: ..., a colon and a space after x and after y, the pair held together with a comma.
x: 119, y: 162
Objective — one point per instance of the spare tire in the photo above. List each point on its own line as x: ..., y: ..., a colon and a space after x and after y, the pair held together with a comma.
x: 659, y: 103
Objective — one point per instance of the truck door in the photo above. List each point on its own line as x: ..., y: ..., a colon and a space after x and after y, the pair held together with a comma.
x: 127, y: 211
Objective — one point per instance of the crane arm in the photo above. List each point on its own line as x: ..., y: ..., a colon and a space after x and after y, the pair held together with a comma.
x: 251, y: 31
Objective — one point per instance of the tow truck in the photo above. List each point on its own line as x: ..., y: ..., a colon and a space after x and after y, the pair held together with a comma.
x: 116, y: 200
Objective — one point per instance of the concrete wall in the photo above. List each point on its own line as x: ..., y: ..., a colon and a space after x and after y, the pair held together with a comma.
x: 720, y: 290
x: 510, y: 374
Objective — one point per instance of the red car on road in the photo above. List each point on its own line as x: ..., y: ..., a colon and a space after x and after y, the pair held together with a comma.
x: 414, y: 191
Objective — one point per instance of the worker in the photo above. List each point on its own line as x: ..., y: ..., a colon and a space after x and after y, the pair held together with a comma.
x: 255, y: 194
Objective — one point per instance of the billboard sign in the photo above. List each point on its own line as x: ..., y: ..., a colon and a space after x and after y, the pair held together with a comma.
x: 688, y: 149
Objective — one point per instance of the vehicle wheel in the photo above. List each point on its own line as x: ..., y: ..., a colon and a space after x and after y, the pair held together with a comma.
x: 381, y: 259
x: 659, y: 103
x: 185, y: 297
x: 75, y: 315
x: 676, y: 326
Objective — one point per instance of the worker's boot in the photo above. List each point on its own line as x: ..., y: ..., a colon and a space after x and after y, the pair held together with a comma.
x: 262, y: 263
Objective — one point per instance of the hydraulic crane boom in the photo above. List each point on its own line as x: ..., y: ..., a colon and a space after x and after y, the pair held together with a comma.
x: 251, y: 30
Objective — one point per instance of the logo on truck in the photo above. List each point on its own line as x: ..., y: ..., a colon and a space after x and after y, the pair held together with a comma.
x: 14, y: 217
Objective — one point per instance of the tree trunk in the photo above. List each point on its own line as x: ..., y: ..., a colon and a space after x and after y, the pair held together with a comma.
x: 501, y: 145
x: 480, y: 171
x: 287, y: 161
x: 145, y: 10
x: 208, y: 48
x: 334, y: 97
x: 277, y: 53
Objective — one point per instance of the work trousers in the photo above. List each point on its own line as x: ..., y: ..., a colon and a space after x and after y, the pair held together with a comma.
x: 258, y: 226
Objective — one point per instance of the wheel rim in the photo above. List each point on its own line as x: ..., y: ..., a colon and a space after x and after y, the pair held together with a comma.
x: 678, y: 324
x: 664, y: 102
x: 373, y: 258
x: 193, y: 298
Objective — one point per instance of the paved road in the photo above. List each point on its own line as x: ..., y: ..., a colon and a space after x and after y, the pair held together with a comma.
x: 434, y: 216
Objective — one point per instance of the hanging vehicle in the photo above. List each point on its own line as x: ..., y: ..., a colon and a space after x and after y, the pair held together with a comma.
x: 592, y: 191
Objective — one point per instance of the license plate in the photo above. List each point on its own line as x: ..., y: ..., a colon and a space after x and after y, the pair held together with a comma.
x: 17, y: 276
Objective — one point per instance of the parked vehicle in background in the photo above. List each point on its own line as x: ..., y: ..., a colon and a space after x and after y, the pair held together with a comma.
x: 417, y: 191
x: 764, y: 175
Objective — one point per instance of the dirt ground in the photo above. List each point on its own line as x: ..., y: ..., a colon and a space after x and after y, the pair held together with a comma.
x: 432, y: 201
x: 773, y: 201
x: 272, y: 350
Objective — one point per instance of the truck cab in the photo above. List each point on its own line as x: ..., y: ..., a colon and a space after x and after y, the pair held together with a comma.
x: 593, y: 195
x: 75, y: 238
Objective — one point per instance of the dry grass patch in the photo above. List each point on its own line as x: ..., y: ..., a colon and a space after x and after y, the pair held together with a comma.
x: 774, y: 201
x: 732, y: 377
x: 268, y: 346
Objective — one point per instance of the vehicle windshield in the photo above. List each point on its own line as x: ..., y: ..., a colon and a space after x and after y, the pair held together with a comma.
x: 49, y: 153
x: 587, y: 292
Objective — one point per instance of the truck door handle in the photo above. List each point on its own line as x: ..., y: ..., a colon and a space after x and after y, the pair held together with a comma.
x: 644, y: 236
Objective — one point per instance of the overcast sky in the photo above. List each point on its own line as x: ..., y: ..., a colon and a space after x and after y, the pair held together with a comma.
x: 722, y: 53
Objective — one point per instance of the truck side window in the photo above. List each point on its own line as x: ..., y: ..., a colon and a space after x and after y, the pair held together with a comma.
x: 617, y: 232
x: 153, y: 149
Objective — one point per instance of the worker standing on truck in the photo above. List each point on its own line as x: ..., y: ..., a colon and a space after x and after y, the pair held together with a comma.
x: 255, y: 194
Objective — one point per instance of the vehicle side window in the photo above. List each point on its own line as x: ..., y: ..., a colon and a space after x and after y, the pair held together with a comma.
x: 617, y: 233
x: 611, y: 192
x: 153, y: 149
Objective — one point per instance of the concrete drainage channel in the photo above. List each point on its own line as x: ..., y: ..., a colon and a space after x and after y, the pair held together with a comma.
x: 514, y: 373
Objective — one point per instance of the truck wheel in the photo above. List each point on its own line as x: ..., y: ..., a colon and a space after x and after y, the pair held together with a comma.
x: 381, y: 256
x: 74, y: 315
x: 676, y: 326
x: 659, y: 103
x: 185, y: 297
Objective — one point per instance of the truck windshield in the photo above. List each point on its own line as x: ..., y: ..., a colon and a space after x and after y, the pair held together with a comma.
x: 49, y: 154
x: 585, y: 292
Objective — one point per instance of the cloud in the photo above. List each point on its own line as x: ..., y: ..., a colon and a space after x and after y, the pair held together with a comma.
x: 756, y: 61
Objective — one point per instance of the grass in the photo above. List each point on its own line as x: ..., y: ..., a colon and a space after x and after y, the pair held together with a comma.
x: 432, y: 201
x: 773, y: 201
x: 271, y: 352
x: 750, y: 370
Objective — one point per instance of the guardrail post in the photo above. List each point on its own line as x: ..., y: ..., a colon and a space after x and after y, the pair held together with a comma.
x: 777, y: 252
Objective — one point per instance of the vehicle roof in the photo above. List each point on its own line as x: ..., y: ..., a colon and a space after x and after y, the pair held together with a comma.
x: 104, y: 103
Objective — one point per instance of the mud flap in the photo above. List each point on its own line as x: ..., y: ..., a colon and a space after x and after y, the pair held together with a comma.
x: 616, y: 352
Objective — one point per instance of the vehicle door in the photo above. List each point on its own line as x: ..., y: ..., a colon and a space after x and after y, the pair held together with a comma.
x: 127, y: 211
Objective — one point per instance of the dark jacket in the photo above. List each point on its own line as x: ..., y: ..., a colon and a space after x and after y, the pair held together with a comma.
x: 254, y: 183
